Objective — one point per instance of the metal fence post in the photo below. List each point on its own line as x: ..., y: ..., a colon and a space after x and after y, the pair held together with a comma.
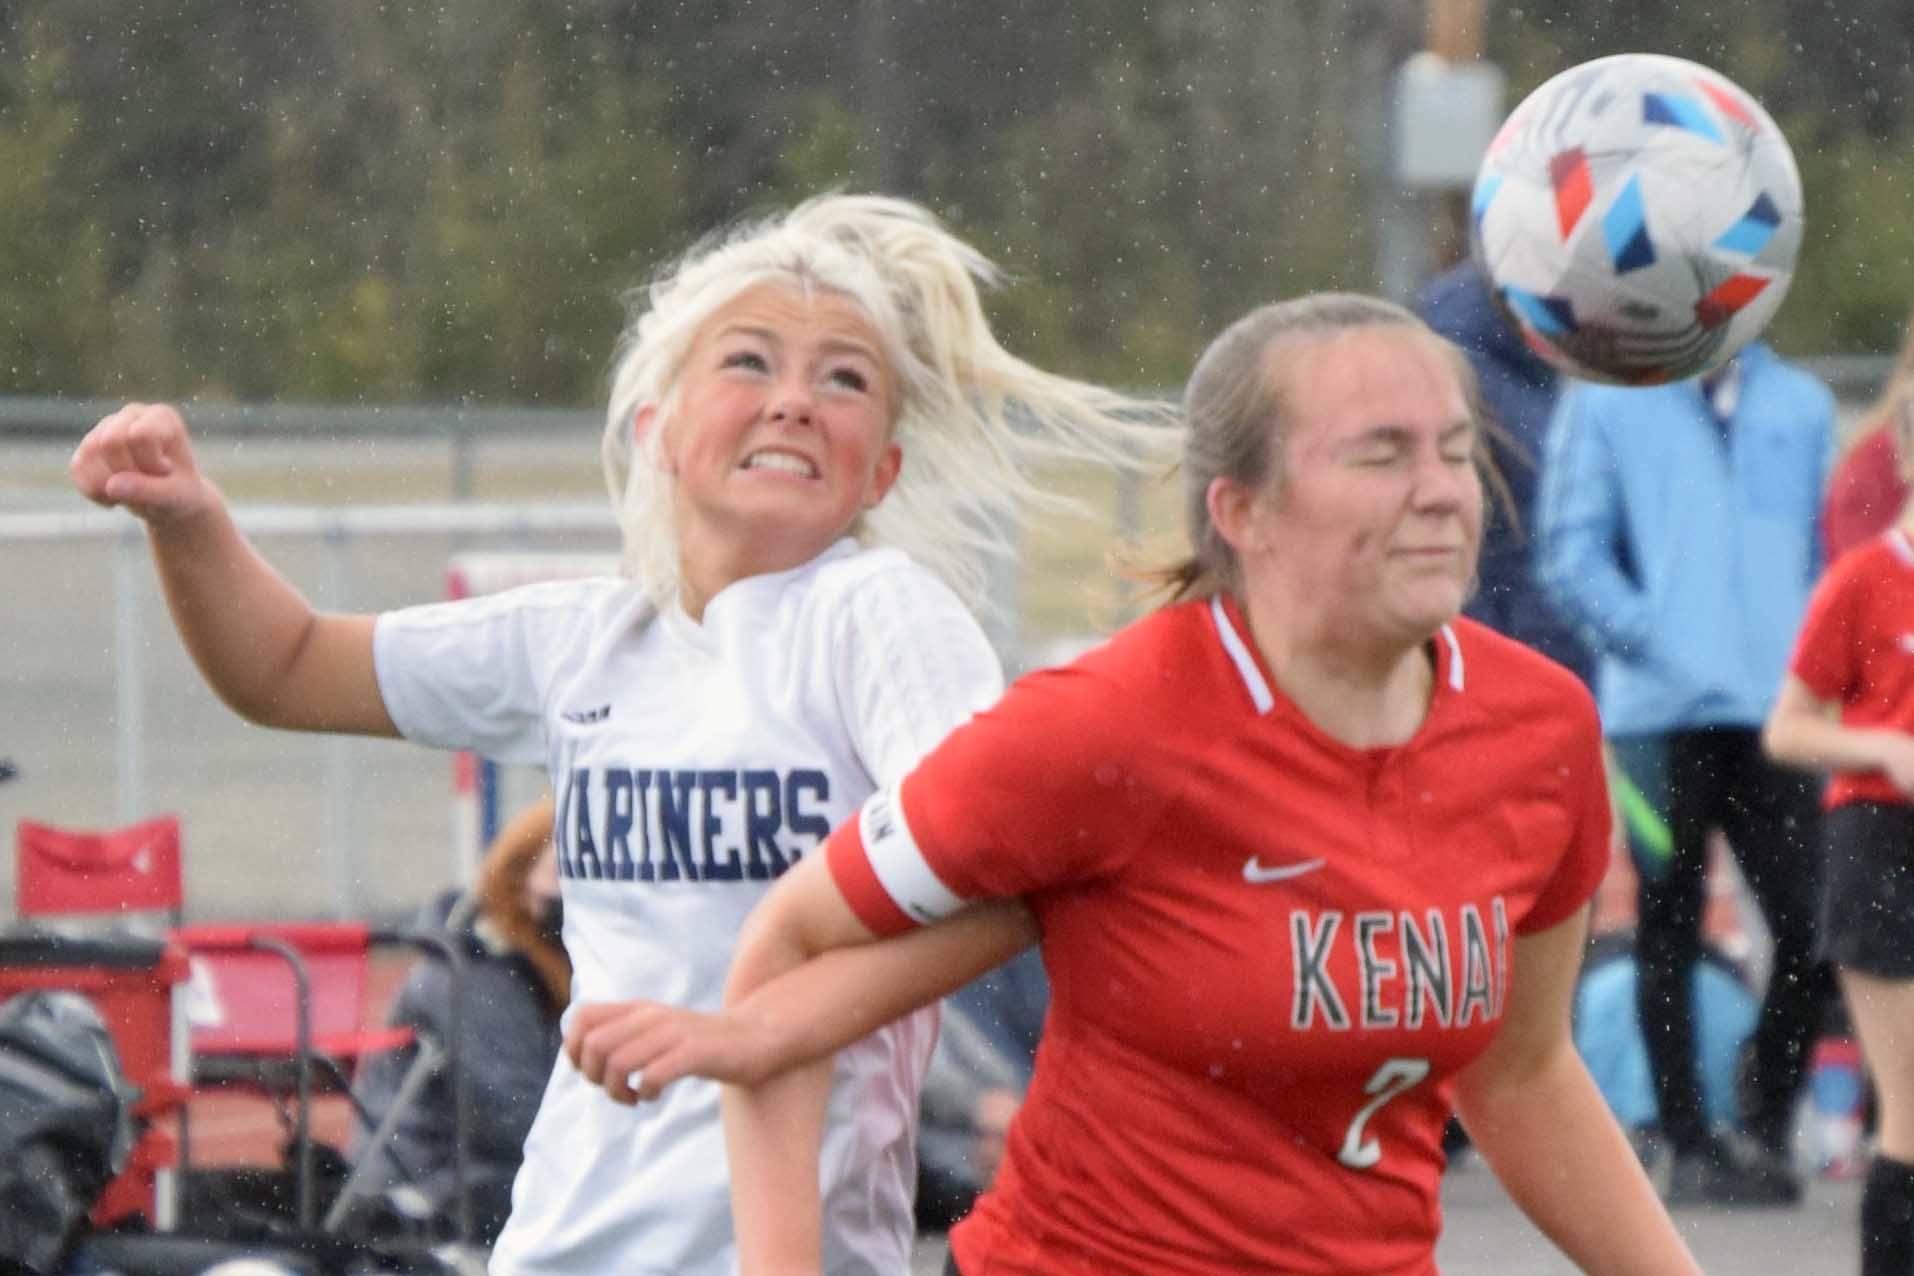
x: 129, y: 684
x: 342, y: 772
x: 464, y: 456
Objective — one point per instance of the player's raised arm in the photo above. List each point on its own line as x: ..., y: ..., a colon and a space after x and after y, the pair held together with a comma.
x: 256, y: 639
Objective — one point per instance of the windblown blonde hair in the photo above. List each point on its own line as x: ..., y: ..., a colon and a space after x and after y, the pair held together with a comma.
x: 973, y: 420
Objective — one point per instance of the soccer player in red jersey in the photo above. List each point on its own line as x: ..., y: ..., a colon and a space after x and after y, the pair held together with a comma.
x: 1308, y: 856
x: 1847, y: 706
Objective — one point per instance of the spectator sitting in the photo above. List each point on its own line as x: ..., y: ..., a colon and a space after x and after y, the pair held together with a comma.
x: 517, y: 983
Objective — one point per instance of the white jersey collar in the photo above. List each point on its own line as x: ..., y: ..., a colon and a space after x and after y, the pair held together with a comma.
x: 1237, y: 645
x: 742, y: 593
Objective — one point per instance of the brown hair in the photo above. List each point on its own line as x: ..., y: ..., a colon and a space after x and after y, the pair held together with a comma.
x: 1237, y: 405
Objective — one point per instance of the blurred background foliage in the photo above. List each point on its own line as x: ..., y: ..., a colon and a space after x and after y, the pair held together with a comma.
x: 338, y: 200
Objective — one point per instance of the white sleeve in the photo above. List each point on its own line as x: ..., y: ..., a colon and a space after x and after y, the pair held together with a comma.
x: 473, y: 674
x: 915, y: 664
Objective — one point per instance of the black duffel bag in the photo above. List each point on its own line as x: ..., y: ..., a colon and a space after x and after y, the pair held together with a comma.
x: 65, y: 1125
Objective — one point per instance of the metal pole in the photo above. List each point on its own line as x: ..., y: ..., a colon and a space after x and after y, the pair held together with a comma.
x: 129, y: 687
x: 302, y: 1127
x: 464, y: 446
x: 342, y: 842
x: 1455, y: 33
x: 1454, y: 29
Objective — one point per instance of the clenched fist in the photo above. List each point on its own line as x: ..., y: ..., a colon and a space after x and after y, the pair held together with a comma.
x: 139, y: 457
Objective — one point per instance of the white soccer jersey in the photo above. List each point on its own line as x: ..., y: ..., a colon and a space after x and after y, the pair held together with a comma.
x: 691, y: 764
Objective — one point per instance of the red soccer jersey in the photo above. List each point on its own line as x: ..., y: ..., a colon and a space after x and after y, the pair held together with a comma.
x: 1856, y: 647
x: 1268, y: 951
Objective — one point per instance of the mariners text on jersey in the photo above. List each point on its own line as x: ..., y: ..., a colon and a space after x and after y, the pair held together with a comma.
x: 643, y: 824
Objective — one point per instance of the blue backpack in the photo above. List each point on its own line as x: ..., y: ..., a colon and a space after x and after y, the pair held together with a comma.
x: 1608, y: 1033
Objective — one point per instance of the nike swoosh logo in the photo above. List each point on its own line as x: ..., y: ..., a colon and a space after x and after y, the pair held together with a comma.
x: 1257, y: 873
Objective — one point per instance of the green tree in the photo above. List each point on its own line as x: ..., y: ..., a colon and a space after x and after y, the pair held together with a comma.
x: 54, y: 308
x: 522, y: 255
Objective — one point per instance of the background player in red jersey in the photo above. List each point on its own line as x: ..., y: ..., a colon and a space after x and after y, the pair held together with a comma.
x: 1847, y: 705
x: 1308, y: 854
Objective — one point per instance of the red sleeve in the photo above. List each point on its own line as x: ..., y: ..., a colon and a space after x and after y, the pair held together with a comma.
x: 1823, y: 650
x: 1865, y: 493
x: 1585, y: 861
x: 1045, y: 790
x: 851, y: 870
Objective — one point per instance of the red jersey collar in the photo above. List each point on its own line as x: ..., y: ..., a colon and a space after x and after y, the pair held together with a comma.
x: 1232, y: 630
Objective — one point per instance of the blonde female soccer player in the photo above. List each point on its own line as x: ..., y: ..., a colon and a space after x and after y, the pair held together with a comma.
x: 809, y: 442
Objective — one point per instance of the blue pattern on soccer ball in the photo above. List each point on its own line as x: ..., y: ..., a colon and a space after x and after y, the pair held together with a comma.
x: 1682, y: 112
x: 1485, y: 188
x: 1755, y: 228
x: 1551, y: 315
x: 1625, y: 226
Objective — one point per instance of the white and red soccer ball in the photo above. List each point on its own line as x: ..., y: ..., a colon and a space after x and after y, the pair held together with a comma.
x: 1638, y: 218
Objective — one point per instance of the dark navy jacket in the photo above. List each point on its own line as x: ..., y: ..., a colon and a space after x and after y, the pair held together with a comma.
x: 1519, y: 391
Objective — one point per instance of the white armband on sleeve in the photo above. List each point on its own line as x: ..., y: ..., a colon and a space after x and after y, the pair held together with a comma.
x: 899, y: 862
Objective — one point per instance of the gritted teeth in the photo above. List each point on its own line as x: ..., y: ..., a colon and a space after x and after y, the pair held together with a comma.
x: 789, y: 462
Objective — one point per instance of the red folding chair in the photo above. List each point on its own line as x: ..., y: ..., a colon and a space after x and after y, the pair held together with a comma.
x: 132, y: 982
x: 283, y: 1008
x: 115, y: 871
x: 279, y: 1008
x: 136, y: 982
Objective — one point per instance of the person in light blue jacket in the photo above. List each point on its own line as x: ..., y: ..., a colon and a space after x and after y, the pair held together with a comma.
x: 1677, y: 529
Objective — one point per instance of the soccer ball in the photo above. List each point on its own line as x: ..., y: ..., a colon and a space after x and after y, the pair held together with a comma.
x: 1637, y: 217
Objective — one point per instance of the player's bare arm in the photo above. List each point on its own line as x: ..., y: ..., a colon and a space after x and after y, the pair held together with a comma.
x: 1805, y: 731
x: 254, y: 637
x: 636, y: 1048
x: 1528, y: 1097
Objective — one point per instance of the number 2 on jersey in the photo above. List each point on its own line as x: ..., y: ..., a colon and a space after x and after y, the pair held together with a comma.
x: 1390, y: 1080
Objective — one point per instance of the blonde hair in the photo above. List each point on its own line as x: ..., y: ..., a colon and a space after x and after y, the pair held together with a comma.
x: 1238, y: 406
x: 973, y: 420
